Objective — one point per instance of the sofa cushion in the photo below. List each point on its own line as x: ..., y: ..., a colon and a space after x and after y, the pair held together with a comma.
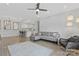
x: 72, y: 45
x: 63, y: 42
x: 74, y: 39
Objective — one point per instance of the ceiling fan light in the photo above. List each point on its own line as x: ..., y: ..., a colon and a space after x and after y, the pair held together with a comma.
x: 37, y: 9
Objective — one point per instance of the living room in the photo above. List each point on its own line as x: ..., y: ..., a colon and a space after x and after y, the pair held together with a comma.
x: 27, y: 29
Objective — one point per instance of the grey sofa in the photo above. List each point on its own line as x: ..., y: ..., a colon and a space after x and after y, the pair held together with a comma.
x: 70, y: 43
x: 51, y: 36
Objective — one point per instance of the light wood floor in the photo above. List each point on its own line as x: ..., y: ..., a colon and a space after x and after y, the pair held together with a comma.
x: 4, y: 42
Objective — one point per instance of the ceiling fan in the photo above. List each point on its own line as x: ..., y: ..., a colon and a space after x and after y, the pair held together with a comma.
x: 37, y: 8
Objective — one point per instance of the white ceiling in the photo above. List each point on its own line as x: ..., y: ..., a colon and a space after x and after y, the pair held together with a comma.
x: 20, y: 9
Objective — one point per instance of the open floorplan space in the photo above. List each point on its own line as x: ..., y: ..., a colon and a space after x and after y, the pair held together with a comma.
x: 13, y: 40
x: 39, y: 29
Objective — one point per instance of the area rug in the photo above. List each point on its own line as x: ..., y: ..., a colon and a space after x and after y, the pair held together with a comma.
x: 29, y: 49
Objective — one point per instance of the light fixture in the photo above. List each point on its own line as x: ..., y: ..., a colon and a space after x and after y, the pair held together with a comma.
x: 65, y: 6
x: 77, y: 19
x: 7, y: 3
x: 70, y: 18
x: 37, y: 10
x: 69, y: 24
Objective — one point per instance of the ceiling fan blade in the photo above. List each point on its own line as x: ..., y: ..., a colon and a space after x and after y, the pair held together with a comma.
x: 31, y: 9
x: 43, y: 9
x: 37, y: 5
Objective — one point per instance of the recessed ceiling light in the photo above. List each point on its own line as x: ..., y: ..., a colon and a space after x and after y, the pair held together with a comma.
x: 7, y: 4
x: 65, y: 6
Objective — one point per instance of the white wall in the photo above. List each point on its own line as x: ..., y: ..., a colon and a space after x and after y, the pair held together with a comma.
x: 54, y: 24
x: 57, y: 23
